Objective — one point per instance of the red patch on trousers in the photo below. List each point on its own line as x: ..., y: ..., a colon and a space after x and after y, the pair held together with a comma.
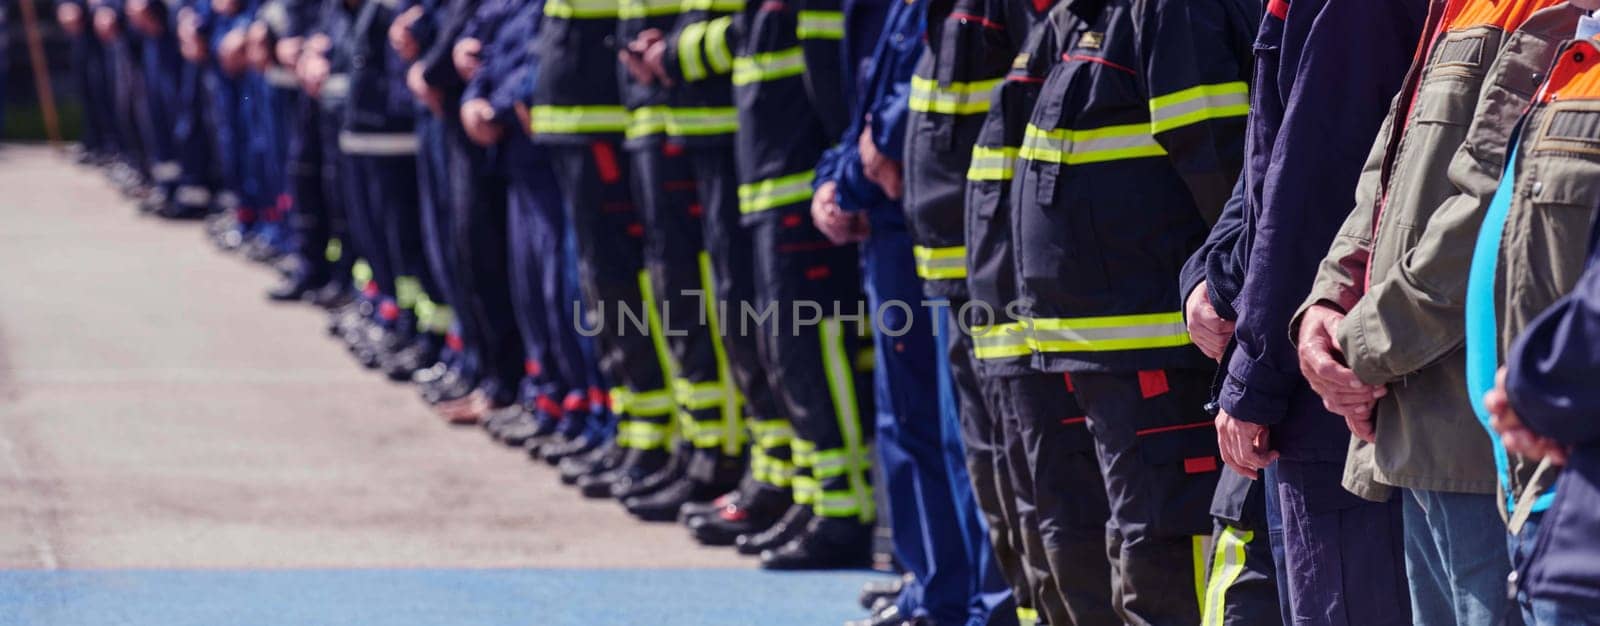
x: 531, y: 367
x: 1200, y: 465
x: 605, y: 162
x: 1153, y: 383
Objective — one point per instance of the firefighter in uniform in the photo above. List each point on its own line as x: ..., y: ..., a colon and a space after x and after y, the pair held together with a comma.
x: 969, y: 47
x: 581, y: 121
x: 1127, y: 160
x: 1045, y: 443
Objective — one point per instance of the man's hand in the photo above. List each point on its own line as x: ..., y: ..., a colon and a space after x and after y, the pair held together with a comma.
x: 313, y: 70
x: 258, y: 49
x: 190, y: 44
x: 1342, y: 392
x: 105, y: 23
x: 477, y: 118
x: 400, y: 37
x: 143, y: 18
x: 651, y: 46
x: 424, y: 92
x: 465, y: 57
x: 839, y: 226
x: 1207, y: 329
x: 231, y: 56
x: 288, y: 51
x: 225, y: 7
x: 70, y: 17
x: 880, y: 169
x: 1243, y: 445
x: 1515, y: 435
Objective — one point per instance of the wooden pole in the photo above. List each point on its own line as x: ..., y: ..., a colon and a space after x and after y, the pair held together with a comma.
x: 41, y: 71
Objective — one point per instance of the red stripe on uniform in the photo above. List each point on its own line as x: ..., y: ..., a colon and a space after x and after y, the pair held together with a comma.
x: 1200, y: 465
x: 982, y: 21
x: 1090, y: 59
x: 1167, y: 429
x: 1074, y: 420
x: 605, y: 162
x: 1278, y: 9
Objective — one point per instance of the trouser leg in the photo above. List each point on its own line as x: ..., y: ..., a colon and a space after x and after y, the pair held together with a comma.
x: 479, y: 248
x: 1453, y: 579
x: 1241, y: 579
x: 396, y: 191
x: 433, y: 200
x: 812, y: 359
x: 1344, y: 555
x: 609, y: 250
x: 1158, y: 454
x: 536, y: 228
x: 1067, y: 499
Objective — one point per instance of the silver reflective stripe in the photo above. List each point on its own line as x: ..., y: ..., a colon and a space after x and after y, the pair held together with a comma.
x: 336, y: 87
x: 192, y: 196
x: 378, y: 144
x: 166, y: 171
x: 281, y: 77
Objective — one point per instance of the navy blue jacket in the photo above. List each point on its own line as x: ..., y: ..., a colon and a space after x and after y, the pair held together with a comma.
x: 505, y: 27
x: 1326, y: 71
x: 879, y: 92
x: 1551, y: 376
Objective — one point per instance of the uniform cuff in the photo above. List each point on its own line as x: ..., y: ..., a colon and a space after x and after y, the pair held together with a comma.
x: 1255, y: 392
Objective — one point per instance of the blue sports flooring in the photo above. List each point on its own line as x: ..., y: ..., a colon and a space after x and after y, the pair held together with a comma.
x: 431, y: 597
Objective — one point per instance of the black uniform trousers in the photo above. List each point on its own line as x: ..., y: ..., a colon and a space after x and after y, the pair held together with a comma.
x: 481, y: 265
x: 1241, y: 579
x: 609, y: 237
x: 1061, y: 505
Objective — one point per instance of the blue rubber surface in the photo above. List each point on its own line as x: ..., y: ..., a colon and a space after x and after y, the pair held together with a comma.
x: 427, y: 597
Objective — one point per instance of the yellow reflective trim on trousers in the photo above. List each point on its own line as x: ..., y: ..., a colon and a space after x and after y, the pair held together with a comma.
x: 771, y: 434
x: 361, y: 272
x: 642, y: 403
x: 820, y: 25
x: 658, y: 340
x: 941, y: 263
x: 957, y: 98
x: 647, y: 121
x: 831, y: 463
x: 839, y: 504
x: 718, y: 56
x: 1199, y: 103
x: 733, y: 401
x: 1110, y: 333
x: 568, y: 120
x: 992, y: 163
x: 1077, y: 147
x: 1027, y: 616
x: 424, y: 310
x: 642, y: 435
x: 1000, y: 341
x: 1227, y: 564
x: 716, y: 6
x: 775, y: 192
x: 698, y: 396
x: 443, y: 317
x: 407, y: 290
x: 806, y: 489
x: 701, y: 121
x: 690, y: 40
x: 582, y: 9
x: 634, y: 9
x: 842, y: 388
x: 768, y: 66
x: 1201, y: 543
x: 334, y: 250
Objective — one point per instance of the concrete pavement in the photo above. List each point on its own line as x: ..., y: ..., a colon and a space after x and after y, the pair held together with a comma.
x: 157, y: 412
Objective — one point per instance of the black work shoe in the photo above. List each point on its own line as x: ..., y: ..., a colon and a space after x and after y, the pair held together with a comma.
x: 553, y: 452
x: 746, y: 516
x: 333, y: 295
x: 699, y: 510
x: 421, y: 352
x: 598, y: 484
x: 518, y: 433
x: 669, y: 472
x: 598, y: 463
x: 498, y: 420
x: 875, y: 590
x: 291, y: 290
x: 826, y: 543
x: 453, y: 386
x: 663, y: 505
x: 791, y: 524
x: 430, y: 373
x: 891, y: 616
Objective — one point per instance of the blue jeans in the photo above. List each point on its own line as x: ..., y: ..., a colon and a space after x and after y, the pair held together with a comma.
x: 1537, y: 612
x: 1454, y: 580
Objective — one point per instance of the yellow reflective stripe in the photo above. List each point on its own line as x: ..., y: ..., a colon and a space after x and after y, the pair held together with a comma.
x: 1201, y: 542
x: 646, y: 121
x: 566, y: 120
x: 633, y: 9
x: 719, y: 6
x: 1103, y: 334
x: 689, y: 41
x: 957, y: 98
x: 771, y: 433
x: 700, y: 121
x: 1227, y: 564
x: 1000, y: 341
x: 839, y: 504
x: 334, y: 250
x: 1027, y: 616
x: 992, y: 163
x: 830, y: 463
x: 1197, y: 104
x: 424, y: 310
x: 361, y: 272
x: 582, y: 9
x: 941, y: 263
x: 698, y: 396
x: 443, y: 317
x: 658, y: 340
x: 775, y: 192
x: 1076, y: 147
x: 842, y: 388
x: 820, y: 25
x: 718, y: 56
x: 768, y: 66
x: 407, y: 289
x: 642, y: 435
x: 732, y: 405
x: 641, y: 403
